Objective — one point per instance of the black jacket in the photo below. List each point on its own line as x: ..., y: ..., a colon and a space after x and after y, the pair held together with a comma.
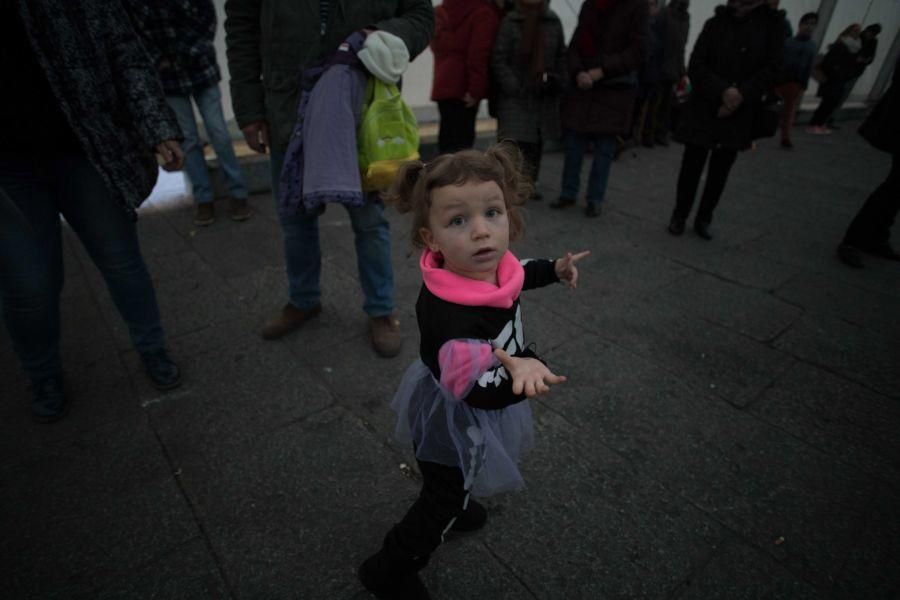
x: 882, y: 127
x: 741, y: 52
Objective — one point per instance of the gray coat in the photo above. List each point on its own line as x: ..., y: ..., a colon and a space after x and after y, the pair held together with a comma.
x: 524, y: 114
x: 106, y: 87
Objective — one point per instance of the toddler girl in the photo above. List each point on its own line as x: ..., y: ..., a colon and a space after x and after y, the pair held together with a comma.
x: 463, y: 404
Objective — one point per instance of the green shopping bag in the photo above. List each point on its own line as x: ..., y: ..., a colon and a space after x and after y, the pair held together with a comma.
x: 388, y: 135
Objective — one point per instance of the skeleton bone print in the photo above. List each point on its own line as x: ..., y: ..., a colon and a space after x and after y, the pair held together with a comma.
x: 511, y: 340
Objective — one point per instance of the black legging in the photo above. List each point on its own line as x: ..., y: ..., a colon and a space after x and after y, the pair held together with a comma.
x: 457, y: 127
x: 871, y: 228
x: 832, y: 95
x: 692, y: 164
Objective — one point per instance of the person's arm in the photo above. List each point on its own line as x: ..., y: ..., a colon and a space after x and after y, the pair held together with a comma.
x: 704, y: 80
x: 136, y: 81
x: 414, y: 24
x: 478, y: 56
x: 501, y: 60
x: 630, y: 57
x: 753, y: 88
x: 242, y: 44
x: 539, y: 272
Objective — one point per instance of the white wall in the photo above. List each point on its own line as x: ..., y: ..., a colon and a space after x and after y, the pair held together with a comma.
x: 417, y: 81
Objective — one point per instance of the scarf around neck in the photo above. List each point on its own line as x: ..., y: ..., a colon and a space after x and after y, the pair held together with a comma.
x: 457, y: 289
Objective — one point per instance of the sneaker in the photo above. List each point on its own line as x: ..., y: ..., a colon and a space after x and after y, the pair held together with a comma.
x: 562, y: 203
x: 676, y: 226
x: 289, y: 319
x: 237, y: 209
x: 850, y: 256
x: 205, y: 215
x: 161, y: 369
x: 386, y: 338
x: 818, y: 130
x: 471, y: 519
x: 592, y: 211
x: 49, y: 401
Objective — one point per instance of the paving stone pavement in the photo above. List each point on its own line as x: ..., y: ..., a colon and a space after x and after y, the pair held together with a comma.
x: 729, y: 428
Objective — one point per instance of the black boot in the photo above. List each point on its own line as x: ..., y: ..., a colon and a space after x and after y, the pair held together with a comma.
x: 702, y: 229
x: 393, y: 580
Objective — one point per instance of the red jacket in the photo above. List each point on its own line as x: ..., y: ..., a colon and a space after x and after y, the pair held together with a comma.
x: 463, y: 37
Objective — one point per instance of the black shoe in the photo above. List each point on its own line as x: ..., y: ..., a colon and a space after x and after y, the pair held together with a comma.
x: 702, y: 229
x: 591, y: 211
x: 163, y: 372
x: 562, y: 203
x: 787, y: 144
x: 49, y: 402
x: 850, y: 256
x: 386, y: 581
x: 536, y: 196
x: 472, y: 519
x: 676, y: 226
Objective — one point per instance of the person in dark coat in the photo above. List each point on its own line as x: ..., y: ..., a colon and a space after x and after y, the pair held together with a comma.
x: 734, y: 62
x: 866, y: 56
x: 870, y: 230
x: 604, y: 57
x: 463, y: 35
x: 650, y: 79
x: 82, y: 113
x: 528, y: 64
x: 840, y: 67
x: 676, y: 20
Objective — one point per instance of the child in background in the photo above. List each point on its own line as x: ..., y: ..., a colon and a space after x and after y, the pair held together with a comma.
x: 799, y: 56
x: 463, y: 404
x: 528, y: 65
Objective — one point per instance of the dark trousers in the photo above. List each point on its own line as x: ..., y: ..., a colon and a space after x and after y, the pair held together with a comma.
x: 871, y: 228
x: 531, y: 154
x: 692, y: 163
x: 663, y: 118
x: 442, y: 499
x: 457, y: 128
x: 832, y: 96
x: 34, y: 191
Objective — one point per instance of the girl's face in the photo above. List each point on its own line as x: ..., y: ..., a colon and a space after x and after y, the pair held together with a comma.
x: 469, y: 225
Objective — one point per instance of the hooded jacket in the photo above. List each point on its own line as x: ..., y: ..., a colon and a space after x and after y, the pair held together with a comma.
x: 464, y: 34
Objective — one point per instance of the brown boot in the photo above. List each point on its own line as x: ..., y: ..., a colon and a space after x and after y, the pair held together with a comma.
x: 205, y: 215
x: 238, y: 210
x: 289, y: 318
x: 385, y: 335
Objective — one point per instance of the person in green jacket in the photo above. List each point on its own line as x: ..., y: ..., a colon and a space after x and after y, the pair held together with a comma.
x: 269, y: 43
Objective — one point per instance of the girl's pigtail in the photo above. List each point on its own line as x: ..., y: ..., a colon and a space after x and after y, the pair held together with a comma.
x: 400, y: 194
x: 512, y: 163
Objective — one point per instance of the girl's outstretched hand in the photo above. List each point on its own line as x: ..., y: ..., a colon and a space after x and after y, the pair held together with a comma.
x: 529, y: 375
x: 566, y: 269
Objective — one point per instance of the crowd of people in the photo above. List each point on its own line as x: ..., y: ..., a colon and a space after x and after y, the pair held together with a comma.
x: 80, y: 142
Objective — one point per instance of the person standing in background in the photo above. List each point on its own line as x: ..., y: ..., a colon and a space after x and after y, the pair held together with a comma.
x: 178, y: 35
x: 676, y: 25
x: 77, y: 142
x: 604, y: 56
x: 269, y: 43
x: 864, y: 58
x: 463, y: 36
x: 529, y: 65
x: 651, y: 76
x: 734, y: 62
x: 799, y: 56
x: 839, y: 67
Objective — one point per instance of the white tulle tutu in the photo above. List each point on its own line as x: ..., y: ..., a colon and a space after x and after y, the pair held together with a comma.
x: 485, y: 444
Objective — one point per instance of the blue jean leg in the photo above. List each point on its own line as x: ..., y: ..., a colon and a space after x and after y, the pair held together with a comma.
x: 194, y: 161
x: 209, y: 103
x: 373, y: 257
x: 303, y: 255
x: 110, y: 238
x: 574, y: 147
x: 604, y: 152
x: 31, y: 267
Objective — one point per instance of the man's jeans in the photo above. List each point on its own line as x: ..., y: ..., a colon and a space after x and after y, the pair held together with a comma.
x: 575, y: 145
x: 209, y: 102
x: 303, y: 256
x: 33, y: 193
